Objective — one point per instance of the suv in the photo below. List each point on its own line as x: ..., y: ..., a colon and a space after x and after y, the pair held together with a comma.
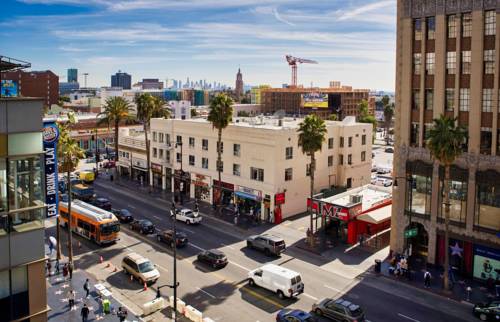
x: 487, y: 311
x: 143, y: 226
x: 213, y: 257
x: 123, y: 215
x: 340, y: 309
x: 102, y: 203
x: 140, y: 268
x: 167, y: 236
x: 269, y: 244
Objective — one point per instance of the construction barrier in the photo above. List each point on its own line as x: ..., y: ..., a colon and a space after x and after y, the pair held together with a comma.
x: 193, y: 314
x: 153, y: 306
x: 181, y: 306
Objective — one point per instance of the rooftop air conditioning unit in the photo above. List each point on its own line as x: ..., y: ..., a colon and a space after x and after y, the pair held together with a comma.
x: 356, y: 198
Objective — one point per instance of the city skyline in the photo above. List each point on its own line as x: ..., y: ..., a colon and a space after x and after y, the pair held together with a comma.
x: 203, y: 38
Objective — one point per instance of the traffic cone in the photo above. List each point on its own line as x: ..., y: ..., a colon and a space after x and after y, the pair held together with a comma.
x: 101, y: 259
x: 145, y: 286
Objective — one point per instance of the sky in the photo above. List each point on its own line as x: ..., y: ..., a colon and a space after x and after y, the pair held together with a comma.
x: 353, y: 41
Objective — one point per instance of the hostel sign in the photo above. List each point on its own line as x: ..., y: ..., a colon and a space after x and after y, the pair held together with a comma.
x: 50, y: 136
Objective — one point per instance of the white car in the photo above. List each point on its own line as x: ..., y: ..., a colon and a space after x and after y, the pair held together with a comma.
x: 382, y: 182
x: 188, y: 216
x: 283, y: 281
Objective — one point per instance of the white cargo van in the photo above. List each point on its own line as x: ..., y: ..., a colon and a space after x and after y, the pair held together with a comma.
x: 283, y: 281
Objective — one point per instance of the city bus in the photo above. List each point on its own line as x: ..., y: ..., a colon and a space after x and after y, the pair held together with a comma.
x: 95, y: 224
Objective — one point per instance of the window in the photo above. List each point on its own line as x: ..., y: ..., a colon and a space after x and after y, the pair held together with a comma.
x: 179, y: 139
x: 452, y: 26
x: 221, y: 148
x: 167, y: 138
x: 363, y: 139
x: 414, y: 134
x: 191, y: 160
x: 330, y: 160
x: 466, y: 62
x: 429, y: 63
x: 288, y: 174
x: 204, y: 163
x: 308, y: 169
x: 155, y: 134
x: 341, y: 159
x: 487, y: 209
x: 257, y: 174
x: 363, y: 156
x: 204, y: 144
x: 341, y: 141
x: 417, y: 29
x: 191, y: 142
x: 160, y: 137
x: 458, y: 194
x: 467, y: 24
x: 160, y: 154
x: 450, y: 99
x: 349, y: 141
x: 417, y: 62
x: 179, y: 157
x: 167, y: 155
x: 236, y: 169
x: 427, y: 128
x: 464, y: 99
x: 155, y: 152
x: 416, y: 99
x: 490, y: 23
x: 236, y: 150
x: 451, y: 62
x: 431, y: 27
x: 349, y: 159
x: 487, y: 99
x: 429, y: 99
x: 489, y: 61
x: 288, y: 153
x: 486, y: 140
x: 330, y: 143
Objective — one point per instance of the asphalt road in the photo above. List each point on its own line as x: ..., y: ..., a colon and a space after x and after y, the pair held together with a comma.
x: 224, y: 294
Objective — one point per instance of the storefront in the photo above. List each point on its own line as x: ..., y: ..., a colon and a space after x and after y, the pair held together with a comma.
x: 157, y: 175
x: 168, y: 179
x: 182, y: 185
x: 201, y: 185
x: 279, y: 199
x: 139, y: 170
x: 226, y: 194
x: 248, y: 201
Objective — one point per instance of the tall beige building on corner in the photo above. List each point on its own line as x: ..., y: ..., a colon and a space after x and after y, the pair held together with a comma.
x: 447, y: 63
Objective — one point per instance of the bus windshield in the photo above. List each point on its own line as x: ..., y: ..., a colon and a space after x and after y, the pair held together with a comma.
x: 110, y: 228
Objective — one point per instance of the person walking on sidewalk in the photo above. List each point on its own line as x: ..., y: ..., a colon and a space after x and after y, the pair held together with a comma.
x: 427, y: 279
x: 71, y: 299
x: 57, y: 266
x: 122, y: 314
x: 86, y: 287
x: 85, y: 313
x: 49, y: 267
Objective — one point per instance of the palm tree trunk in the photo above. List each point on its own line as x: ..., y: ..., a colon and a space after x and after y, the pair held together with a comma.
x: 70, y: 236
x: 312, y: 168
x: 148, y: 157
x: 117, y: 123
x: 58, y: 237
x: 219, y: 160
x: 446, y: 226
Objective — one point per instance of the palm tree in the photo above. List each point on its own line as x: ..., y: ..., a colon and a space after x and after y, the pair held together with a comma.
x: 220, y: 115
x: 312, y: 132
x: 444, y: 142
x: 116, y: 110
x: 388, y: 114
x: 69, y: 154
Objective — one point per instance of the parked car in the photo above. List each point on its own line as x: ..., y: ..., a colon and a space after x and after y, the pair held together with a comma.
x: 143, y: 226
x: 339, y: 310
x: 123, y: 215
x: 382, y: 182
x: 389, y: 150
x: 102, y: 203
x: 383, y: 170
x: 283, y: 281
x: 141, y: 268
x: 188, y: 216
x: 167, y: 237
x: 487, y: 311
x: 269, y: 244
x: 213, y: 257
x: 287, y: 315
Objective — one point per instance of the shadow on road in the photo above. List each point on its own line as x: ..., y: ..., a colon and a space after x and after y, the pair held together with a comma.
x: 122, y: 281
x: 210, y: 295
x: 265, y: 300
x: 258, y: 256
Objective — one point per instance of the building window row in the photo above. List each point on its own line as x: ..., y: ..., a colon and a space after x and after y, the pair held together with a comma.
x: 464, y: 102
x: 490, y: 23
x: 489, y: 61
x: 467, y: 24
x: 257, y: 174
x: 451, y: 62
x: 487, y: 99
x: 430, y: 59
x: 466, y: 62
x: 450, y: 99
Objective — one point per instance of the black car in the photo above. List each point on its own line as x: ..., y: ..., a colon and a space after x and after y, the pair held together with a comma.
x: 123, y: 215
x: 102, y: 203
x: 213, y: 257
x: 389, y: 150
x: 167, y: 236
x: 487, y: 311
x: 143, y: 226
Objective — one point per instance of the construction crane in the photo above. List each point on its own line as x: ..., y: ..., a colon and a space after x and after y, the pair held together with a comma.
x: 293, y: 61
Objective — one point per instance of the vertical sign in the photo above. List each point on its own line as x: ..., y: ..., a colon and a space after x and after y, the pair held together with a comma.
x: 50, y: 137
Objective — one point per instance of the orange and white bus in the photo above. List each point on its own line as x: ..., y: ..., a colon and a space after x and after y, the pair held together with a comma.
x: 95, y: 224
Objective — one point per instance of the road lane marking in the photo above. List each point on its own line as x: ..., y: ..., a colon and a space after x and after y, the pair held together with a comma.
x: 231, y: 262
x: 157, y: 217
x: 311, y: 297
x: 188, y: 230
x: 131, y: 207
x: 197, y: 247
x: 262, y: 297
x: 212, y: 296
x: 230, y: 247
x: 332, y: 288
x: 407, y: 317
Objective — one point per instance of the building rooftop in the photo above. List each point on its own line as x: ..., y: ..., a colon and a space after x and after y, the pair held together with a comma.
x: 371, y: 196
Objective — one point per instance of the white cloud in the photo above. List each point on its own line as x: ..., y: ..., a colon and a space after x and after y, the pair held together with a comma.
x: 354, y: 13
x: 134, y: 32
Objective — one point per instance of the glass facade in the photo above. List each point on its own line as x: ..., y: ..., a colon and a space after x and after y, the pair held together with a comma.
x: 419, y: 188
x: 487, y: 210
x: 458, y: 194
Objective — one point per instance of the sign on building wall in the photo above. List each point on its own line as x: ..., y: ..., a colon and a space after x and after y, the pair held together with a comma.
x: 9, y: 88
x: 50, y: 137
x: 315, y: 100
x: 486, y: 263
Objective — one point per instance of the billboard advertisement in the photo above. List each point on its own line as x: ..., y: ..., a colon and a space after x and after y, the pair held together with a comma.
x: 9, y: 88
x: 486, y: 263
x: 315, y: 100
x: 50, y: 137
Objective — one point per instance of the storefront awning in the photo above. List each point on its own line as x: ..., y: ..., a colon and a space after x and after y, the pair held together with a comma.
x: 377, y: 216
x: 246, y: 195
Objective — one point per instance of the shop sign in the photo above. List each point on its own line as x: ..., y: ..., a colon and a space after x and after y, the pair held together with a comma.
x: 328, y: 209
x: 248, y: 193
x: 156, y: 168
x: 410, y: 233
x: 225, y: 185
x: 50, y: 137
x: 279, y: 198
x: 486, y: 263
x: 139, y: 163
x: 182, y: 175
x: 200, y: 180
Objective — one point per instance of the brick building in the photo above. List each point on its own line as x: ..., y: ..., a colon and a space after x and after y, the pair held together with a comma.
x: 44, y: 84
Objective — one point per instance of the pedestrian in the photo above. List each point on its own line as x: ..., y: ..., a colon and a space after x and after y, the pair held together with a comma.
x: 122, y: 314
x: 86, y: 287
x: 71, y: 299
x: 85, y: 313
x: 49, y: 267
x: 51, y: 247
x: 65, y: 270
x: 427, y: 279
x: 57, y: 266
x: 70, y: 270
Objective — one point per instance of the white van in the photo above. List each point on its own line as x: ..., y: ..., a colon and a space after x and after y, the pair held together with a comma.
x: 141, y: 268
x: 283, y: 281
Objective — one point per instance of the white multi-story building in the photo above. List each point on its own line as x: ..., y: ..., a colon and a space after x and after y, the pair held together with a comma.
x: 264, y: 168
x: 132, y: 156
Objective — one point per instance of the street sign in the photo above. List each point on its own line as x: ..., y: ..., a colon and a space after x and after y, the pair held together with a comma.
x: 411, y: 233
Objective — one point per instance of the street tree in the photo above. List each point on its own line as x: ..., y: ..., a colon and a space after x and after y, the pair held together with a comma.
x: 444, y: 142
x: 312, y: 133
x: 69, y: 154
x: 220, y: 115
x: 365, y: 117
x: 388, y: 114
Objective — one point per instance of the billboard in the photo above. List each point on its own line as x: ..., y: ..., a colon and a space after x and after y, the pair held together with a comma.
x: 9, y: 88
x: 315, y: 100
x: 50, y: 137
x: 486, y: 263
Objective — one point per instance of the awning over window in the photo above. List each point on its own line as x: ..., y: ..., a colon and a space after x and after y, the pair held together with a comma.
x: 377, y: 216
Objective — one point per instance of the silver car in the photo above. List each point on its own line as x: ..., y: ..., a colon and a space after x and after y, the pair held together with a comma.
x: 339, y: 310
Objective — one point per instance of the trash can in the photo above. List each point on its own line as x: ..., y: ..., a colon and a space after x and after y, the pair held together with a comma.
x: 106, y: 306
x: 378, y: 265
